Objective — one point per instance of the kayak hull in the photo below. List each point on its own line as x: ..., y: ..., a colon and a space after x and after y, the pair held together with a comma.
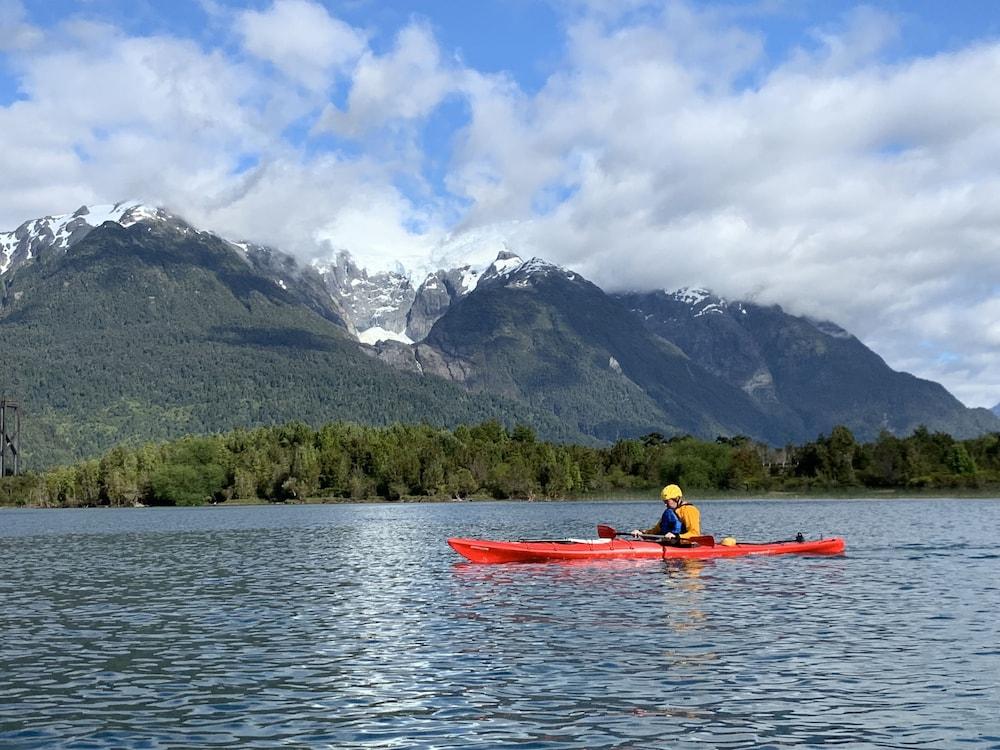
x: 547, y: 550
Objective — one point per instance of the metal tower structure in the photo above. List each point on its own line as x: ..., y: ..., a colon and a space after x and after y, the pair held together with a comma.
x: 10, y: 438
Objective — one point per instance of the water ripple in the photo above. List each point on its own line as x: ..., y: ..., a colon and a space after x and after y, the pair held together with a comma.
x: 354, y: 626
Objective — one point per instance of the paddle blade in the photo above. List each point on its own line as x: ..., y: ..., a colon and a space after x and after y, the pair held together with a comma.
x: 704, y: 541
x: 606, y: 532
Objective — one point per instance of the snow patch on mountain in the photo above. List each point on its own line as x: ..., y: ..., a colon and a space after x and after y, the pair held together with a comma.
x: 473, y: 248
x: 701, y: 301
x: 505, y: 263
x: 7, y: 244
x: 375, y: 334
x: 539, y: 267
x: 378, y: 301
x: 689, y: 295
x: 470, y: 278
x: 387, y: 305
x: 503, y: 266
x: 58, y: 233
x: 521, y: 274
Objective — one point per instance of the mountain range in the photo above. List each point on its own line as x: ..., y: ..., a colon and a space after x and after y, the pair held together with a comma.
x: 126, y: 323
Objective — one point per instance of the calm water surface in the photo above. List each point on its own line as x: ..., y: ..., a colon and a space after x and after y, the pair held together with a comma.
x: 356, y: 626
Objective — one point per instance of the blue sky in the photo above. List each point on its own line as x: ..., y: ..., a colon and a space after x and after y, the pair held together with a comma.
x: 524, y: 37
x: 839, y: 159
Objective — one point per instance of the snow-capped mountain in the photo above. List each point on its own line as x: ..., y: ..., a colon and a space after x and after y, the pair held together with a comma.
x: 442, y: 289
x: 385, y: 306
x: 38, y: 238
x: 703, y: 302
x: 381, y: 306
x: 375, y: 304
x: 58, y: 233
x: 136, y: 291
x: 435, y: 295
x: 510, y: 269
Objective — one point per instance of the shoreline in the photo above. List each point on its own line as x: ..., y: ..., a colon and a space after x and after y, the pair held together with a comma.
x: 861, y: 494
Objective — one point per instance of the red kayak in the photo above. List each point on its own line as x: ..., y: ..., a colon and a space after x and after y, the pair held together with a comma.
x: 545, y: 550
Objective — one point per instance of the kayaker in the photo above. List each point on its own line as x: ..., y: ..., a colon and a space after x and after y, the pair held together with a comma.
x: 680, y: 519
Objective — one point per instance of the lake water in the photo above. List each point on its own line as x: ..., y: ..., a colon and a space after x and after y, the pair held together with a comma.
x: 356, y: 626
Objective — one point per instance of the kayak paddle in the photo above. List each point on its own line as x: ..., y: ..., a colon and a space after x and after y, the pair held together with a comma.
x: 608, y: 532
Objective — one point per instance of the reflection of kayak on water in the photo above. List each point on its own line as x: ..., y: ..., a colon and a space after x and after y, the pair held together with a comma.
x: 544, y: 550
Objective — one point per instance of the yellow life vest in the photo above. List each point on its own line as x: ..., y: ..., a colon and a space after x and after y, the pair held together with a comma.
x: 691, y: 518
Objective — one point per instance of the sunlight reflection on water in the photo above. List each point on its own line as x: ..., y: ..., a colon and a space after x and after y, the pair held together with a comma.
x: 356, y: 626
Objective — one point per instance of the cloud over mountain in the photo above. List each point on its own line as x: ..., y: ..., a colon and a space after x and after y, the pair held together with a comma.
x: 837, y: 173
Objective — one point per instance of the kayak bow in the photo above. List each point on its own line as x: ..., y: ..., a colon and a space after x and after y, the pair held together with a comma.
x: 546, y: 550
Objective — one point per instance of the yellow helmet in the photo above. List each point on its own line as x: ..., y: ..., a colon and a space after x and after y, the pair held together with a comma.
x: 670, y: 492
x: 728, y: 542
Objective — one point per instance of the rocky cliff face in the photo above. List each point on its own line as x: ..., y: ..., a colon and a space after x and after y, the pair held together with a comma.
x: 303, y: 282
x: 378, y: 302
x: 438, y: 292
x: 386, y: 307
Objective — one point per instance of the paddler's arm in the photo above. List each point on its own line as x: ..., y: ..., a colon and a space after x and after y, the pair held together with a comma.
x: 651, y: 531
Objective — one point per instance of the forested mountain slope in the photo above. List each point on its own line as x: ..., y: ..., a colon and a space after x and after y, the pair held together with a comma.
x: 147, y: 332
x: 144, y: 328
x: 804, y: 374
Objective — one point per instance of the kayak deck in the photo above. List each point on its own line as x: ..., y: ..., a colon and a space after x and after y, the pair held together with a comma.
x: 545, y: 550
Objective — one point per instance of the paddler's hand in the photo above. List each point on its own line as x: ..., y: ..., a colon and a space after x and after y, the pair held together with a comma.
x: 635, y: 532
x: 668, y: 535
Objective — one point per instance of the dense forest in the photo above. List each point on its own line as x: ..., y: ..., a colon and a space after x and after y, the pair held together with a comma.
x: 343, y: 461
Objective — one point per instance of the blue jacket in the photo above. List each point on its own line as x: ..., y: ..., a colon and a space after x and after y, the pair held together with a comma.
x: 670, y: 523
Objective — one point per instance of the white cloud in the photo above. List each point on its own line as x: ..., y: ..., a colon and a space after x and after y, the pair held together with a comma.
x: 318, y: 207
x: 108, y: 117
x: 838, y: 187
x: 16, y: 33
x: 865, y: 33
x: 665, y: 150
x: 406, y: 84
x: 302, y: 40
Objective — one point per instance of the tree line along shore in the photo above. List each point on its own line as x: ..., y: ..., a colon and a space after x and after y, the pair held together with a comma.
x: 345, y: 461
